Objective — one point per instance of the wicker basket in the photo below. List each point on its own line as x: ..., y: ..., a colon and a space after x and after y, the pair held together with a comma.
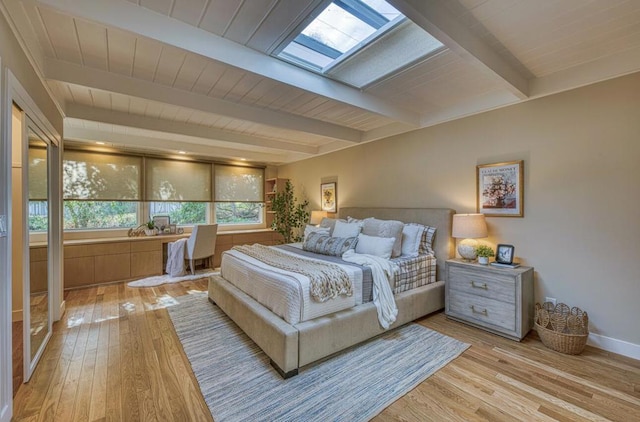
x: 562, y: 328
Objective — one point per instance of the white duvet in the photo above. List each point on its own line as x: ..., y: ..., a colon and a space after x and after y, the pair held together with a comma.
x: 285, y: 293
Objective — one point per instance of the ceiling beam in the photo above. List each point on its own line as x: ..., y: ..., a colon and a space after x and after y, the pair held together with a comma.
x: 116, y: 139
x: 209, y: 134
x: 433, y: 17
x: 138, y: 20
x: 111, y: 82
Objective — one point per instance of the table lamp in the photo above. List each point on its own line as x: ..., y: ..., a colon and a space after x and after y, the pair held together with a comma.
x: 316, y: 217
x: 468, y: 227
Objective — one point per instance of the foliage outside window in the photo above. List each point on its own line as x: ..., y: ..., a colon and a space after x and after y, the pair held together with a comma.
x: 181, y: 213
x: 38, y: 216
x: 100, y: 214
x: 228, y: 213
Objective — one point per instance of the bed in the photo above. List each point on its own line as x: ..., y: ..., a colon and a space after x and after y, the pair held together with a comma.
x: 291, y: 346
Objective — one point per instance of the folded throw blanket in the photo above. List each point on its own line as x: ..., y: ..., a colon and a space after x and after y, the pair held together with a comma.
x: 327, y: 280
x: 382, y: 271
x: 175, y: 258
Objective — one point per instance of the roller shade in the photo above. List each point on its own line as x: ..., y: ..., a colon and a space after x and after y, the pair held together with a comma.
x: 37, y: 174
x: 184, y: 181
x: 238, y: 184
x: 101, y: 177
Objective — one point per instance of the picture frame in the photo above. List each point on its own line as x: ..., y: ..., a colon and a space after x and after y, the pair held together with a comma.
x: 172, y: 229
x: 500, y: 189
x: 329, y: 197
x: 161, y: 221
x: 504, y: 254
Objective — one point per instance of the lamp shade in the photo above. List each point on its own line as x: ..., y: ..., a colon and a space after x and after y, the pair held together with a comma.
x: 317, y: 216
x: 469, y: 226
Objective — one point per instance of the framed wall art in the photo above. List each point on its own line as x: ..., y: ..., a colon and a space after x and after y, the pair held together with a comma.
x: 328, y: 197
x: 500, y: 189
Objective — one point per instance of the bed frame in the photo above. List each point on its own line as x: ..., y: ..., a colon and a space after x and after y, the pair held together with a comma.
x: 293, y: 346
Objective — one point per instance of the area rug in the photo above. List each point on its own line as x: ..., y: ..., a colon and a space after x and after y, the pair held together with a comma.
x: 158, y: 280
x: 238, y: 384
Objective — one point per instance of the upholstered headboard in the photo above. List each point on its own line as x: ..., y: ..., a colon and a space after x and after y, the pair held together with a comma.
x: 440, y: 218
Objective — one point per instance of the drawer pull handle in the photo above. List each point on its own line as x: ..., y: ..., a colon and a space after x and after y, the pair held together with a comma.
x: 475, y: 311
x: 479, y: 286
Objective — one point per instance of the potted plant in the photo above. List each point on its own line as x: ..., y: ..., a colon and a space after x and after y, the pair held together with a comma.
x: 289, y: 215
x: 150, y: 228
x: 484, y: 252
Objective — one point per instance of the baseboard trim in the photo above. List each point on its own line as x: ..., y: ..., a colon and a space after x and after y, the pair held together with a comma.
x: 614, y: 345
x: 16, y: 316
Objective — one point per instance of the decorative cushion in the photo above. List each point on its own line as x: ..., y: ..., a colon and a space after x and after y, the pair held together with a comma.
x: 327, y: 245
x: 411, y: 238
x: 314, y: 229
x: 374, y: 245
x: 329, y: 223
x: 342, y: 229
x: 426, y: 244
x: 385, y: 228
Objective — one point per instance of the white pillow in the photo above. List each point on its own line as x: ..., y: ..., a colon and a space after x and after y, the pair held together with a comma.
x: 373, y: 245
x: 385, y: 228
x: 314, y: 229
x: 411, y: 237
x: 342, y: 229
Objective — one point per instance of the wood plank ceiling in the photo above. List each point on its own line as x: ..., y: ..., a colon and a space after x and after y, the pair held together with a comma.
x: 196, y: 75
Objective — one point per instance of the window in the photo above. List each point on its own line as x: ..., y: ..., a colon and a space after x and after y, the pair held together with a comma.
x: 99, y: 214
x: 239, y: 195
x: 239, y: 213
x: 181, y: 213
x: 100, y: 190
x: 333, y: 44
x: 172, y: 180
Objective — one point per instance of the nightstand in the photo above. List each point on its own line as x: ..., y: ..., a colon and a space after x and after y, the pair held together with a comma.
x: 499, y: 300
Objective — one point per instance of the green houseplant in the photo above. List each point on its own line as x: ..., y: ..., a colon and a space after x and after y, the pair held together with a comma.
x: 289, y: 214
x: 484, y: 252
x: 150, y: 228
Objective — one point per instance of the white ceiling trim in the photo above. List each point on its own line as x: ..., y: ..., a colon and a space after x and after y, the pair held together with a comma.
x: 116, y: 139
x: 118, y: 118
x: 440, y: 22
x: 98, y: 79
x: 138, y: 20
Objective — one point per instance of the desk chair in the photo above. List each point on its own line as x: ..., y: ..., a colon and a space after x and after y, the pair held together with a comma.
x: 201, y: 245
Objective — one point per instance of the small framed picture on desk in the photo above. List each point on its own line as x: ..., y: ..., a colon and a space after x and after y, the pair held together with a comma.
x: 504, y: 254
x: 161, y: 222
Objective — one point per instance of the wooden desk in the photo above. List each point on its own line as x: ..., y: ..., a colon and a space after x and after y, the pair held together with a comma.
x: 95, y: 261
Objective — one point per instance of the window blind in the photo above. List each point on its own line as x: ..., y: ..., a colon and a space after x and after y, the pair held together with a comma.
x: 101, y: 177
x: 37, y: 173
x: 238, y: 184
x: 184, y: 181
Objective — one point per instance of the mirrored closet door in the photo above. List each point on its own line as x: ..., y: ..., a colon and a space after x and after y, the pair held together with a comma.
x: 37, y: 285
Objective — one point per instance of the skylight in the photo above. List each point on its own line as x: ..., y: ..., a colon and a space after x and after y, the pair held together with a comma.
x: 334, y: 43
x: 342, y: 25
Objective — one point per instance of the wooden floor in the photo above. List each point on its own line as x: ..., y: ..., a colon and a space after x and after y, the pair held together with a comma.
x: 115, y: 356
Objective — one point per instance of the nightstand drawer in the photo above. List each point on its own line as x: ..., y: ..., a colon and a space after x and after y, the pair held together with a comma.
x: 479, y: 282
x: 482, y: 310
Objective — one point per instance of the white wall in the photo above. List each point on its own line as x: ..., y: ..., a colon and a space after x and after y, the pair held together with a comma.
x: 581, y: 152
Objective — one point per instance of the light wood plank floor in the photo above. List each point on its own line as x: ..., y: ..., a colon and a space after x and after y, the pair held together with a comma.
x: 115, y: 356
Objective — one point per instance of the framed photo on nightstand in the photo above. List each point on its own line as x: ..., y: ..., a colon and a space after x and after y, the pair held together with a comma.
x: 504, y: 254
